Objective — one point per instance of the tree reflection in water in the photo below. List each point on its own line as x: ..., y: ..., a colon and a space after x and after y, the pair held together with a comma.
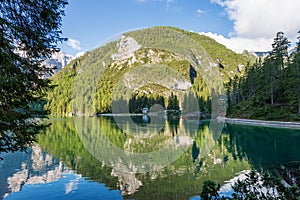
x: 204, y: 157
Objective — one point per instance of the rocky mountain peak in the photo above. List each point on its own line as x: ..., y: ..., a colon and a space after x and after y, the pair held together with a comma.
x: 59, y: 60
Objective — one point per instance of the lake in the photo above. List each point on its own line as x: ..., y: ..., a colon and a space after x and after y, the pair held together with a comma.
x: 144, y: 157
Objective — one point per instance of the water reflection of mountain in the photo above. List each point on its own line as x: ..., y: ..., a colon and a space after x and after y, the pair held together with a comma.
x: 204, y: 158
x: 33, y: 167
x: 70, y: 141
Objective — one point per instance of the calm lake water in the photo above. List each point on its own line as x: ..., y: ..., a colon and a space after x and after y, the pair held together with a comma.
x: 143, y: 157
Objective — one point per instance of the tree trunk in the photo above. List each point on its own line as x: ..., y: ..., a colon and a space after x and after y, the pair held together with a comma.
x: 252, y: 87
x: 298, y: 106
x: 272, y: 96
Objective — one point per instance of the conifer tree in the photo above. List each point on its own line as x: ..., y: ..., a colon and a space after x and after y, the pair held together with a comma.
x: 29, y: 32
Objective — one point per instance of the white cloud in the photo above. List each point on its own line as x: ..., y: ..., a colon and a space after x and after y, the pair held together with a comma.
x: 75, y: 44
x: 169, y: 2
x: 200, y: 12
x: 239, y: 44
x: 262, y: 18
x: 256, y: 22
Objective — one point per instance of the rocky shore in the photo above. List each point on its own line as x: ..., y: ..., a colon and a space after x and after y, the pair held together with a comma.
x: 276, y: 124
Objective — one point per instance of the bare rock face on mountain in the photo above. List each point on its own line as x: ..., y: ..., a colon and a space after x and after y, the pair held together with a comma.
x: 58, y: 60
x: 127, y: 47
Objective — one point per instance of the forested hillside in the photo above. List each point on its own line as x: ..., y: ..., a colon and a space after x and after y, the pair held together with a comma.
x: 85, y: 86
x: 269, y: 88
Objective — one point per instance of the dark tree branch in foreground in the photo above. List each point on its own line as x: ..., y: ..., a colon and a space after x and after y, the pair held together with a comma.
x: 29, y: 33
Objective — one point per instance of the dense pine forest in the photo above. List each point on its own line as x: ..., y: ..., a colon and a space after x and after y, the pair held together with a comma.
x: 269, y: 88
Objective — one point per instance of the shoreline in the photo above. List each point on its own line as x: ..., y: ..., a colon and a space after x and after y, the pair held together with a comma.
x: 239, y: 121
x: 264, y: 123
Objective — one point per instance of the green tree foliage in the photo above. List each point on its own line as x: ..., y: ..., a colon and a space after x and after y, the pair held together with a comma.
x: 139, y: 101
x: 269, y: 89
x: 210, y: 190
x: 62, y: 141
x: 70, y: 141
x: 255, y: 186
x: 292, y: 77
x: 29, y: 32
x: 95, y: 75
x: 56, y: 101
x: 173, y: 103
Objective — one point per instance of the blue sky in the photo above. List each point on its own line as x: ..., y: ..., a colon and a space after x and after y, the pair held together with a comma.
x: 238, y: 24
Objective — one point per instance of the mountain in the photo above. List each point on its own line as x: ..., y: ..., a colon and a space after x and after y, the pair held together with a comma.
x: 263, y: 54
x: 59, y: 60
x: 156, y: 65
